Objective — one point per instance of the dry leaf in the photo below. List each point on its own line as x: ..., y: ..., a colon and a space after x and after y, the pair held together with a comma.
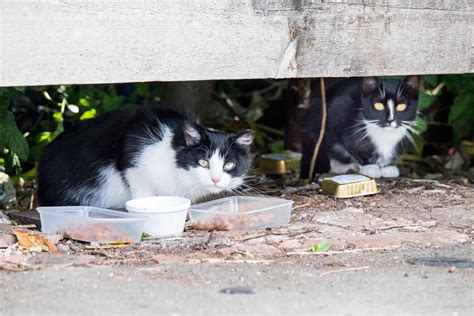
x: 28, y: 240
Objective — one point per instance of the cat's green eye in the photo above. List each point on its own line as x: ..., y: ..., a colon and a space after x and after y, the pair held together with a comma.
x: 229, y: 165
x: 379, y: 106
x: 401, y: 107
x: 203, y: 163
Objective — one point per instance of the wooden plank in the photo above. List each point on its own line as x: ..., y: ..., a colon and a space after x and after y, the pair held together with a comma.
x: 100, y: 41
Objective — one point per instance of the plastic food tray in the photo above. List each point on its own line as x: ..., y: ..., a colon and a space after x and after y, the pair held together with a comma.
x: 241, y: 213
x: 91, y: 224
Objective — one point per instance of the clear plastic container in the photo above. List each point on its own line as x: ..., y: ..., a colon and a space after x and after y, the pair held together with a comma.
x: 91, y: 224
x: 240, y: 213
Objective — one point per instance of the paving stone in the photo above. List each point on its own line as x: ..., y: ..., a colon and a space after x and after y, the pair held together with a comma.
x: 26, y: 217
x: 7, y: 240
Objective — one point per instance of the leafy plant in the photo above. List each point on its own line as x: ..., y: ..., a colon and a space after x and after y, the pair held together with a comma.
x: 321, y: 247
x: 32, y: 117
x: 12, y: 142
x: 461, y: 113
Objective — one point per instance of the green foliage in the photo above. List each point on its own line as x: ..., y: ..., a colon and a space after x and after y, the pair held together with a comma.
x: 31, y: 117
x: 461, y: 114
x: 321, y: 247
x: 14, y: 147
x: 42, y: 113
x: 462, y: 109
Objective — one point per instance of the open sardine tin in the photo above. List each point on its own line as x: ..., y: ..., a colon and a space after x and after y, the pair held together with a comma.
x: 349, y: 185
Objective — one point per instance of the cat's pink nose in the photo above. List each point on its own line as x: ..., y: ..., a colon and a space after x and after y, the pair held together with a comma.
x: 215, y: 179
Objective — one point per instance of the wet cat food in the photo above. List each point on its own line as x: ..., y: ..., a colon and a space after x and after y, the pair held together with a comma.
x: 91, y: 224
x: 240, y: 213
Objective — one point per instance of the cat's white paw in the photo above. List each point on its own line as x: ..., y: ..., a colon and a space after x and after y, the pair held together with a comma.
x: 372, y: 171
x: 389, y: 172
x: 339, y: 167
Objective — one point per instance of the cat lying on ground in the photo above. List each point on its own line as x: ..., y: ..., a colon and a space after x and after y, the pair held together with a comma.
x: 369, y: 124
x: 137, y: 152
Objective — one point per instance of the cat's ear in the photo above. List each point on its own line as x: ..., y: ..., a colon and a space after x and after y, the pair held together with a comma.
x: 369, y: 84
x: 412, y: 83
x: 245, y: 138
x: 192, y: 136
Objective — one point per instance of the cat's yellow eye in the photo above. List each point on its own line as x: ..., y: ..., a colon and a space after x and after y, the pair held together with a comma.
x: 379, y: 106
x: 401, y: 107
x: 229, y: 166
x: 203, y: 163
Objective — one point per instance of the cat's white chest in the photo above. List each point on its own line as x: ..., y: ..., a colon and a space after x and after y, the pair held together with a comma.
x: 156, y: 172
x: 385, y: 141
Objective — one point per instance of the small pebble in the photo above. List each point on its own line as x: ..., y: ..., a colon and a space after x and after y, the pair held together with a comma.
x: 237, y: 290
x: 452, y: 269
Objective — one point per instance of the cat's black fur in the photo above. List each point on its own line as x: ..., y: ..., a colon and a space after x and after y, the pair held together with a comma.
x: 69, y: 171
x: 350, y: 106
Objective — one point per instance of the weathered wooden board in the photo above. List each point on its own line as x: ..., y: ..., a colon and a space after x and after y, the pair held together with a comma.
x: 99, y: 41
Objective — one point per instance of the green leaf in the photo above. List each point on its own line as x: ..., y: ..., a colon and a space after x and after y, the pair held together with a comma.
x: 4, y: 101
x: 425, y: 100
x: 462, y: 127
x: 84, y: 102
x: 2, y: 138
x: 146, y: 235
x: 45, y: 137
x: 420, y: 124
x: 461, y: 106
x: 58, y: 117
x: 458, y: 83
x: 13, y: 139
x: 88, y: 114
x: 323, y: 246
x: 112, y: 102
x: 430, y: 81
x: 142, y: 89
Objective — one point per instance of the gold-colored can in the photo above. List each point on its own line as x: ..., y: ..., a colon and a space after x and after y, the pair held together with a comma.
x: 468, y: 147
x: 280, y: 162
x: 349, y: 185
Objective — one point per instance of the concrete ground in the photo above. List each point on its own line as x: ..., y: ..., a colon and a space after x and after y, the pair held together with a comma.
x: 349, y: 284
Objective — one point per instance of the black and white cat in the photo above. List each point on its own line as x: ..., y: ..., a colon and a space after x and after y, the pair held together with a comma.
x: 369, y: 124
x: 139, y: 152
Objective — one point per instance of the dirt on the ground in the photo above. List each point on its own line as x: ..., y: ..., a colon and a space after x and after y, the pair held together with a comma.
x: 405, y: 214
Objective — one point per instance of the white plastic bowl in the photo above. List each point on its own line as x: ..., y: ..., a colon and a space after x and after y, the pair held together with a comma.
x: 166, y: 214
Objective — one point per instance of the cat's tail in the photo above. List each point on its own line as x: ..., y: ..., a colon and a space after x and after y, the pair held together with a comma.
x: 310, y: 129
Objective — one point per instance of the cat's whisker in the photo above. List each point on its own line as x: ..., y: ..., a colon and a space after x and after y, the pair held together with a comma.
x: 411, y: 129
x: 412, y: 141
x: 258, y: 191
x: 240, y: 192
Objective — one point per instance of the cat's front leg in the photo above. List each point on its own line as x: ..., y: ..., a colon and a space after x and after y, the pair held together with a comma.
x: 138, y: 185
x: 340, y: 167
x: 372, y: 171
x: 389, y: 172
